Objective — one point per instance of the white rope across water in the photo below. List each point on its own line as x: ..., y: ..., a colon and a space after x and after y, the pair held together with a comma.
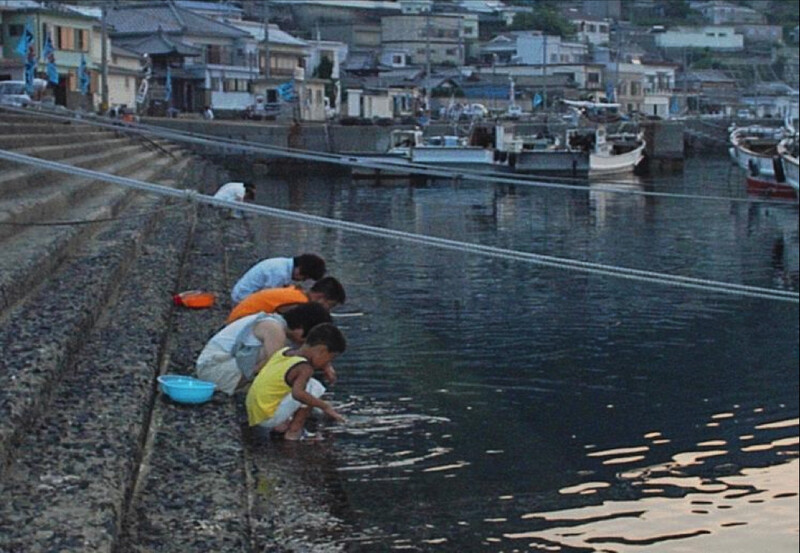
x: 365, y: 162
x: 444, y: 243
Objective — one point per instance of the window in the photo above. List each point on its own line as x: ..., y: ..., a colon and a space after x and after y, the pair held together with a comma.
x: 319, y: 97
x: 65, y: 38
x: 553, y: 58
x: 593, y: 77
x: 81, y: 40
x: 591, y: 28
x: 397, y: 59
x: 636, y: 89
x: 603, y: 28
x: 15, y: 30
x: 127, y: 83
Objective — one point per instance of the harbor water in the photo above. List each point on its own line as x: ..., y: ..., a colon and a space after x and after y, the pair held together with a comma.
x: 499, y: 405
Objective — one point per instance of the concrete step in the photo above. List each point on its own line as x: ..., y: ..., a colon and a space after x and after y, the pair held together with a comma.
x: 84, y: 453
x: 34, y: 251
x: 64, y: 307
x: 21, y: 139
x: 64, y: 151
x: 47, y: 201
x: 18, y: 179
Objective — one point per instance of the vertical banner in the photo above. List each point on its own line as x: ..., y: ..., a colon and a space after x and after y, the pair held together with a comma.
x: 49, y: 57
x: 83, y: 76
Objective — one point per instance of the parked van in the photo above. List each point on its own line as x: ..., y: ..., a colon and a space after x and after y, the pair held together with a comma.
x: 12, y: 93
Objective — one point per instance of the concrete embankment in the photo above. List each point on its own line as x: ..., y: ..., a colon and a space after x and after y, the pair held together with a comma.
x: 665, y: 138
x: 94, y: 458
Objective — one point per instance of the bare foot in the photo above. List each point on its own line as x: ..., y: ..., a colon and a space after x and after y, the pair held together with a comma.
x: 302, y: 436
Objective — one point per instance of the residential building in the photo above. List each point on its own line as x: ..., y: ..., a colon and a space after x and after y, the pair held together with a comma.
x: 435, y: 37
x: 772, y: 99
x: 724, y: 13
x: 583, y: 78
x: 210, y: 62
x: 591, y: 30
x: 642, y: 87
x: 75, y: 33
x: 708, y: 90
x: 723, y: 38
x: 124, y: 75
x: 532, y: 48
x: 382, y: 97
x: 358, y: 36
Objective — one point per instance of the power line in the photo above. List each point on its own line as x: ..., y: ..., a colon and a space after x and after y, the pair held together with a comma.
x: 378, y: 232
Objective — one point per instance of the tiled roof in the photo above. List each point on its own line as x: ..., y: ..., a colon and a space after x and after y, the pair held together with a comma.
x: 160, y: 44
x: 149, y: 17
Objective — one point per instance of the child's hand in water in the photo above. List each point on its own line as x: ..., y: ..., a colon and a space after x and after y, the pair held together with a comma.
x: 332, y: 413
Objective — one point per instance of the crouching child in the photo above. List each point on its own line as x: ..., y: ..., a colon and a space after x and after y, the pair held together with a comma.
x: 283, y: 393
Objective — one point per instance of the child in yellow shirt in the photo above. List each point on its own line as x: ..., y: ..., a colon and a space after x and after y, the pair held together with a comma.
x: 284, y: 392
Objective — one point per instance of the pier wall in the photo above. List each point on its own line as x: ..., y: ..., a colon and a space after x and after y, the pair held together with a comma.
x: 665, y: 138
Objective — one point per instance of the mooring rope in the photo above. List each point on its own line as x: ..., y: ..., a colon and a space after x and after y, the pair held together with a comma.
x: 444, y: 243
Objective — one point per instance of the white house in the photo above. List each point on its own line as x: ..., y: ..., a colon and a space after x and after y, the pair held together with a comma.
x: 533, y: 48
x: 714, y: 37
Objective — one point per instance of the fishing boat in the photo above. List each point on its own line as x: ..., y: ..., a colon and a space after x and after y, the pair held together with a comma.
x: 547, y: 154
x: 755, y: 149
x: 482, y: 149
x: 609, y: 153
x: 616, y: 153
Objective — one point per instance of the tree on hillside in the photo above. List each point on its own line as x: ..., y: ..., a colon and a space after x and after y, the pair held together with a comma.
x: 546, y: 18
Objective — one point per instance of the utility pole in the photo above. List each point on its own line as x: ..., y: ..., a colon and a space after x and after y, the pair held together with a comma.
x: 544, y: 77
x: 428, y: 63
x: 267, y: 69
x: 104, y: 61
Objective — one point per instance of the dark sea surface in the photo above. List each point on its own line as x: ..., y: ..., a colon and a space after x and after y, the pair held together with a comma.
x: 498, y: 405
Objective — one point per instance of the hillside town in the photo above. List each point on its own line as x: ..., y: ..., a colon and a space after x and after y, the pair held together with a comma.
x: 362, y: 62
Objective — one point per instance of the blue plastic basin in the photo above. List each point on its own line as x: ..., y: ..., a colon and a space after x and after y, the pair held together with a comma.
x: 186, y: 389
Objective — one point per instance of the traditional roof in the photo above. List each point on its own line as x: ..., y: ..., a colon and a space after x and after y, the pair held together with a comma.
x: 148, y: 17
x: 159, y: 44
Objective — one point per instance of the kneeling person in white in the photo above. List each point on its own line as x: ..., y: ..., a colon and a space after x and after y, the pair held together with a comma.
x: 233, y: 356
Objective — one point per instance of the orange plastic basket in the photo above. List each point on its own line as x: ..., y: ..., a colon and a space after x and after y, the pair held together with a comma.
x: 194, y: 299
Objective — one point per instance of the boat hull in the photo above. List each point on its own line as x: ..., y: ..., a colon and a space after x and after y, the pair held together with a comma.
x: 769, y: 187
x: 613, y: 164
x: 552, y: 162
x: 757, y: 164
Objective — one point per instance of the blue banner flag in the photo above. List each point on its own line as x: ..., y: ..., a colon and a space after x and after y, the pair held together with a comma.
x: 537, y: 100
x: 49, y: 56
x: 610, y: 92
x: 168, y: 86
x: 25, y: 44
x: 30, y: 74
x: 286, y: 91
x: 83, y: 76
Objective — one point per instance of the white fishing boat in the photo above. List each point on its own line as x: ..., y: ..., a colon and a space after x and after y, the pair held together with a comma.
x: 616, y: 153
x: 609, y: 154
x: 755, y: 149
x: 484, y: 149
x: 545, y: 154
